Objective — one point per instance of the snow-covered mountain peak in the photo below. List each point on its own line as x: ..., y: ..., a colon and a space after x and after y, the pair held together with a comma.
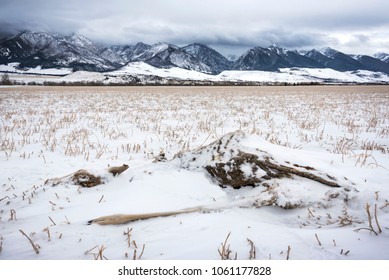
x: 79, y: 40
x: 277, y: 50
x: 328, y: 52
x: 162, y: 46
x: 213, y: 60
x: 382, y: 56
x: 232, y: 57
x: 141, y: 45
x: 302, y: 52
x: 36, y: 39
x: 355, y: 56
x: 48, y: 50
x: 195, y: 47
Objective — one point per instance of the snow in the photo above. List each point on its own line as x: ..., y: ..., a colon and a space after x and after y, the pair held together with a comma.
x: 327, y: 51
x: 160, y: 47
x: 382, y: 56
x: 50, y: 132
x: 285, y: 75
x: 79, y: 76
x: 37, y: 39
x: 5, y: 52
x: 80, y: 40
x: 289, y: 75
x: 12, y: 68
x: 278, y: 50
x: 141, y: 68
x: 263, y: 76
x: 360, y: 76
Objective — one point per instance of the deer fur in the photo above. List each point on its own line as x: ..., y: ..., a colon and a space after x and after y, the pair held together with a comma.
x: 126, y: 218
x: 116, y: 170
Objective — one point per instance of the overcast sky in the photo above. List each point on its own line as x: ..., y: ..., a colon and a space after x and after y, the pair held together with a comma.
x: 231, y: 27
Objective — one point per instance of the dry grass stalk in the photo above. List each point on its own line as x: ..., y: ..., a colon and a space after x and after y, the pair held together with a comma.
x: 132, y: 243
x: 34, y: 246
x: 317, y: 238
x: 288, y: 253
x: 376, y: 219
x: 13, y: 215
x: 367, y: 207
x: 344, y: 253
x: 252, y: 255
x: 376, y: 195
x: 224, y: 249
x: 369, y: 218
x: 385, y: 205
x: 48, y: 233
x: 346, y: 219
x: 5, y: 198
x: 134, y: 257
x: 128, y: 234
x: 363, y: 157
x: 99, y: 255
x: 90, y: 250
x: 54, y: 224
x: 310, y: 214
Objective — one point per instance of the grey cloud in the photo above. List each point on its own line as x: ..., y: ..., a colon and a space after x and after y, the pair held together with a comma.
x: 229, y: 24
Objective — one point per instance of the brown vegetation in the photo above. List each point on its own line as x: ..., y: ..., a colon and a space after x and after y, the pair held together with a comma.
x: 230, y: 173
x: 85, y: 179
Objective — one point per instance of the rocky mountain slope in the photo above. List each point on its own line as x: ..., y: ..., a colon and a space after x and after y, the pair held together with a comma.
x: 40, y: 49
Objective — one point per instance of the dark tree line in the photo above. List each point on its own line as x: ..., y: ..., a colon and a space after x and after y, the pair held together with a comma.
x: 5, y: 80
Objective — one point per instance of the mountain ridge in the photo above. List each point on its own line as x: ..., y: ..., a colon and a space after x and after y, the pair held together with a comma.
x: 40, y: 49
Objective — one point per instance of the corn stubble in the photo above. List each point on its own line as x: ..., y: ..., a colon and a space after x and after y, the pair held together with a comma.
x: 180, y: 118
x: 104, y: 124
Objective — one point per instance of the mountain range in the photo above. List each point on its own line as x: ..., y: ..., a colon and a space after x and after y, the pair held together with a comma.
x: 39, y: 49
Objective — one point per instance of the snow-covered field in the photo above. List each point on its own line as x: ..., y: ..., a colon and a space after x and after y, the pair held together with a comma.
x: 340, y: 133
x: 147, y: 74
x: 13, y: 68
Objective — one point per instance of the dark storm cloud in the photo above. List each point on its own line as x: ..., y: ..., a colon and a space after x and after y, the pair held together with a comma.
x: 227, y: 24
x: 7, y: 29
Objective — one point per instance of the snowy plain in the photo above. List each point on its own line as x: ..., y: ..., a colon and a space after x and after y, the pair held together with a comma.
x: 49, y: 132
x: 144, y: 70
